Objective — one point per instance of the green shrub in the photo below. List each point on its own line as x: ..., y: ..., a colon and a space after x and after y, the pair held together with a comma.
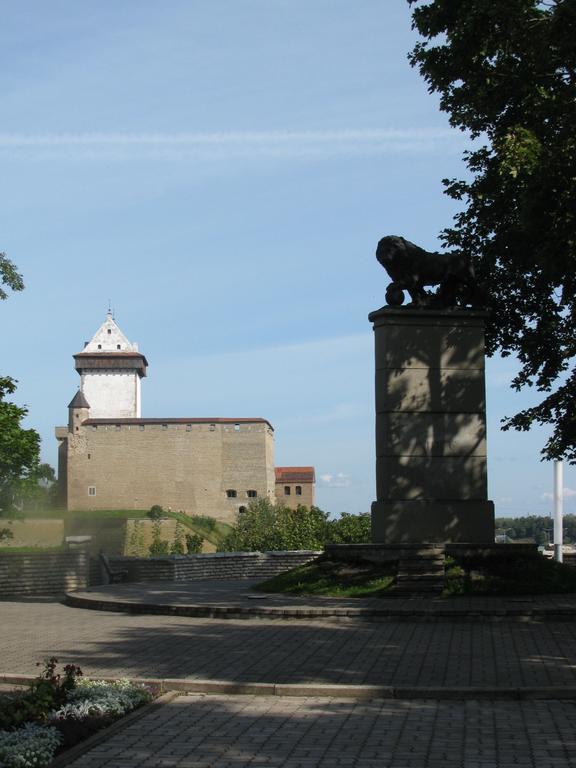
x: 155, y: 512
x: 267, y: 527
x: 177, y: 547
x: 194, y: 543
x: 350, y: 529
x: 47, y: 691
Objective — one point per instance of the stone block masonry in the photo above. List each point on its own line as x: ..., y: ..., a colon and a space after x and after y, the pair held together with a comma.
x: 217, y: 565
x: 431, y: 476
x: 50, y: 573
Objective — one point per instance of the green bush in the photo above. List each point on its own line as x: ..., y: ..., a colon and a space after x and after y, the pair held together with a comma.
x: 155, y: 512
x: 350, y: 529
x: 177, y: 547
x: 267, y: 527
x: 47, y: 691
x: 194, y: 543
x: 158, y: 546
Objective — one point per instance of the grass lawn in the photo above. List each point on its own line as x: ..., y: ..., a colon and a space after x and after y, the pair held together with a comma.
x: 536, y: 575
x: 332, y: 578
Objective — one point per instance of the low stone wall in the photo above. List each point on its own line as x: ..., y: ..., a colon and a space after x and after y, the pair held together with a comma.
x: 391, y: 552
x: 49, y: 573
x: 216, y: 565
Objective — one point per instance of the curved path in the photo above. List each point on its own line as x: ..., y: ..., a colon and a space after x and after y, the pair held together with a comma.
x: 236, y: 599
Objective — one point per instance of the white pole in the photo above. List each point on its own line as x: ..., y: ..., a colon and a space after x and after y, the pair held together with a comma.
x: 558, y: 493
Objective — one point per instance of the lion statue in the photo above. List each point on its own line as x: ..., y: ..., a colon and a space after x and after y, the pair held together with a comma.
x: 412, y: 268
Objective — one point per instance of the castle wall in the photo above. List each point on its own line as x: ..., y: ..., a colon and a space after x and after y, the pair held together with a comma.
x: 188, y: 467
x: 293, y: 499
x: 113, y: 394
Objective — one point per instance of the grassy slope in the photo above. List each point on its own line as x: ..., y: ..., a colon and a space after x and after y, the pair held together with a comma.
x: 331, y: 578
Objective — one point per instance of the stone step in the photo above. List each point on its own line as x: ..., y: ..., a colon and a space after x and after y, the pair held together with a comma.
x: 421, y: 566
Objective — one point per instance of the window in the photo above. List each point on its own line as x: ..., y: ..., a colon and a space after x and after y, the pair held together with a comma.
x: 164, y: 426
x: 286, y: 490
x: 188, y: 427
x: 236, y: 427
x: 241, y: 510
x: 117, y: 346
x: 251, y: 494
x: 141, y: 427
x: 212, y: 427
x: 231, y: 493
x: 77, y: 430
x: 94, y: 427
x: 88, y: 455
x: 99, y: 346
x: 298, y: 490
x: 118, y: 427
x: 91, y: 490
x: 109, y: 331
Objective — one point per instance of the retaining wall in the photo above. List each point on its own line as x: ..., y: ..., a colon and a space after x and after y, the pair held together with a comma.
x: 48, y: 573
x: 216, y: 565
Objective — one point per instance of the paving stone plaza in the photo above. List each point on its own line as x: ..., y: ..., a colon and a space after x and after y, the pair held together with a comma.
x: 479, y: 728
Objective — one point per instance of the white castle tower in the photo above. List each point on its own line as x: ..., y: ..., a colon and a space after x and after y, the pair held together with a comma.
x: 110, y: 369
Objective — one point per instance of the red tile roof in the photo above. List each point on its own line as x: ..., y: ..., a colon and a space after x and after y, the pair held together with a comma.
x: 295, y: 475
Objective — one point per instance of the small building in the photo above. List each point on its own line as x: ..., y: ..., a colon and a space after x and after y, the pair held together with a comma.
x: 295, y: 485
x: 110, y: 457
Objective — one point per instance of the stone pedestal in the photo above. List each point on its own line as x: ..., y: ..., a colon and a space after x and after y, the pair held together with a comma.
x: 431, y: 480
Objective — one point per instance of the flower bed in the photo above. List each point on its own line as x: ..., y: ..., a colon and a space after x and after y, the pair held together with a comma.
x: 57, y: 712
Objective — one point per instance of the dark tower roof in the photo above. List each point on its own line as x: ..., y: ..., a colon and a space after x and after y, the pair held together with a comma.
x: 79, y: 401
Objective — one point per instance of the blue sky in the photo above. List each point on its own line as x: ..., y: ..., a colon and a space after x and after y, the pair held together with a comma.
x: 222, y: 172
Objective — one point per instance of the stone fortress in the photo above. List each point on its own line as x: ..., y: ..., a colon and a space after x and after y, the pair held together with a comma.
x: 109, y: 457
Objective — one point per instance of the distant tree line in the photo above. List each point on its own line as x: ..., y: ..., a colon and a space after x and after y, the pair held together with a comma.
x: 535, y: 528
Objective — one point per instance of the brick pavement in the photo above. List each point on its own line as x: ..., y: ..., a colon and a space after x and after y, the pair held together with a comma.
x: 398, y: 654
x: 198, y: 731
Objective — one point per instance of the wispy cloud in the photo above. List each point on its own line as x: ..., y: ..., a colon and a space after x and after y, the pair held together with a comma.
x: 569, y: 493
x: 337, y: 480
x: 231, y: 144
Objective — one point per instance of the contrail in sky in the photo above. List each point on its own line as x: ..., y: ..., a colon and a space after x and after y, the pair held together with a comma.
x: 231, y: 143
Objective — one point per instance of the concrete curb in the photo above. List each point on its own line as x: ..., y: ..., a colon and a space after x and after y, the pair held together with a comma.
x: 440, y: 613
x: 175, y: 686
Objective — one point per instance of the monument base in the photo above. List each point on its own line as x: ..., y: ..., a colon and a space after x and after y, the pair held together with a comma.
x: 411, y: 522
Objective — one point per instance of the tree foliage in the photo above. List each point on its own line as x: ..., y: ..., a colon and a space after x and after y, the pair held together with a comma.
x: 265, y: 527
x: 506, y: 73
x: 350, y: 529
x: 536, y: 528
x: 9, y: 276
x: 19, y: 450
